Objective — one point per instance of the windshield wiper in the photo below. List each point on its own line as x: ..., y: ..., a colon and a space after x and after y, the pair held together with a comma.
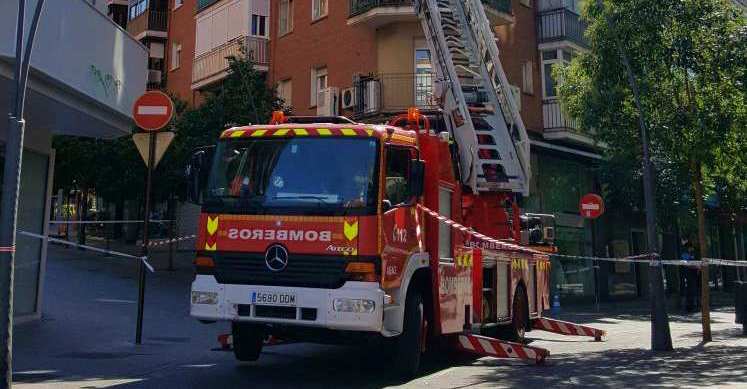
x: 322, y: 199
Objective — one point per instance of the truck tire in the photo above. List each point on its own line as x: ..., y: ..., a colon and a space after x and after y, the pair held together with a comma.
x: 519, y: 315
x: 408, y: 347
x: 248, y: 340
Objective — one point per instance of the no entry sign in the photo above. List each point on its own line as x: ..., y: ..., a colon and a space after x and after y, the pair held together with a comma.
x: 152, y: 111
x: 592, y: 206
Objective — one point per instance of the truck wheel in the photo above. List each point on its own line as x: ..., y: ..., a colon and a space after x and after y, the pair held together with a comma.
x: 409, y: 346
x: 248, y: 340
x: 520, y: 315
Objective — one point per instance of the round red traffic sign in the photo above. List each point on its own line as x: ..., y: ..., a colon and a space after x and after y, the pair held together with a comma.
x: 152, y: 111
x: 592, y: 206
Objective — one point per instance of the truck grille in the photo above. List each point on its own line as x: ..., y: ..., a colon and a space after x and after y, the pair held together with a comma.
x: 310, y: 271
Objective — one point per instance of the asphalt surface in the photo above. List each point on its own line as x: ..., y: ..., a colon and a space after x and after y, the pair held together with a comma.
x: 85, y: 340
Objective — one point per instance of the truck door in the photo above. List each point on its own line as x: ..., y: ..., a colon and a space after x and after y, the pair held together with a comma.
x: 399, y: 222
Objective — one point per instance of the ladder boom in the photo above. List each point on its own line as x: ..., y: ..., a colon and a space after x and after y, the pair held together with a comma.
x: 476, y: 97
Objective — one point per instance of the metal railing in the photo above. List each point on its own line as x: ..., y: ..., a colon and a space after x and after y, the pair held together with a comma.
x: 149, y: 20
x: 503, y: 6
x: 554, y: 119
x: 358, y: 7
x: 216, y: 61
x: 394, y: 92
x: 561, y: 24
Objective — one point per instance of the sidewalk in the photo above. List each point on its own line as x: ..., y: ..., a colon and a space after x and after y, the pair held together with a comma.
x: 86, y: 336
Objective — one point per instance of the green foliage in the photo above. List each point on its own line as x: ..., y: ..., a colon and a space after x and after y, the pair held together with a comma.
x: 115, y: 169
x: 689, y: 58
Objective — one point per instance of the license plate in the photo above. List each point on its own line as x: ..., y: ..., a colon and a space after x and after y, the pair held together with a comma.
x: 273, y: 298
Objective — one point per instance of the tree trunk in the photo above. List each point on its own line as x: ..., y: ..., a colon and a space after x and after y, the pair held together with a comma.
x: 705, y: 309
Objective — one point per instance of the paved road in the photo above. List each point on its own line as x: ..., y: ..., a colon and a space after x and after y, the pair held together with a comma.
x: 85, y: 340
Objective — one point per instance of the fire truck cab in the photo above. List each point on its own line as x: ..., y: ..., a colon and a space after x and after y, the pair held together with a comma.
x: 326, y: 230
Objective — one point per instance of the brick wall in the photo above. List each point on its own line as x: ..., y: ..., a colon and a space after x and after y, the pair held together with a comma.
x: 328, y: 41
x: 181, y: 31
x: 517, y: 43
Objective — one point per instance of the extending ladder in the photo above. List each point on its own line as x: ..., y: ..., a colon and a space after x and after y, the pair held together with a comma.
x: 476, y: 97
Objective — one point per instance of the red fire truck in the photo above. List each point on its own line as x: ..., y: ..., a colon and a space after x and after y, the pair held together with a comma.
x: 324, y: 229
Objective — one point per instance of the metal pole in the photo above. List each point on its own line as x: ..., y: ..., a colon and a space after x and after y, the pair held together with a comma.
x: 146, y: 223
x: 171, y: 245
x: 10, y: 188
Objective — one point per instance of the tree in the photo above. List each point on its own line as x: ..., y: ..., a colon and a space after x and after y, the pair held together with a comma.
x: 689, y: 59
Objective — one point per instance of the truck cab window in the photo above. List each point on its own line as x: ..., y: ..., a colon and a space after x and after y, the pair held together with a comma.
x: 397, y: 168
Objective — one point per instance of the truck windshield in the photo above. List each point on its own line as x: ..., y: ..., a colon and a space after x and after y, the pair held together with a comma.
x: 328, y: 176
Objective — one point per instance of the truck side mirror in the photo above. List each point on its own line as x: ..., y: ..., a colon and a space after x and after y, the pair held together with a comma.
x: 417, y: 177
x: 196, y: 173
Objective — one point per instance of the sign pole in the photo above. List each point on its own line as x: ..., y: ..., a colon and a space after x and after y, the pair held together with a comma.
x: 146, y: 224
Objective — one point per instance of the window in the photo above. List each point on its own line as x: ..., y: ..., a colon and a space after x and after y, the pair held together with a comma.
x: 527, y: 76
x: 444, y: 230
x: 285, y: 92
x: 259, y: 25
x: 397, y: 190
x: 138, y: 8
x: 176, y: 55
x: 423, y: 78
x: 550, y: 58
x: 318, y: 9
x: 285, y: 17
x: 178, y: 3
x: 318, y: 82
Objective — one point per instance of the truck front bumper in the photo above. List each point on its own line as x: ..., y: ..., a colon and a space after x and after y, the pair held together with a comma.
x: 312, y: 308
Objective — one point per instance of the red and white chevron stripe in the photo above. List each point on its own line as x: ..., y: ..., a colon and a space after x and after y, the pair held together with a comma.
x: 226, y: 341
x: 483, y: 345
x: 567, y: 328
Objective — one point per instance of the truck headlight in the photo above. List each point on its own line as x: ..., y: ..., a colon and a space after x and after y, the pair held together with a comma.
x: 208, y: 298
x: 353, y: 305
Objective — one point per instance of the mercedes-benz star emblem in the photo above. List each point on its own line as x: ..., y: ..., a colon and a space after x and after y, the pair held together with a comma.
x: 276, y: 258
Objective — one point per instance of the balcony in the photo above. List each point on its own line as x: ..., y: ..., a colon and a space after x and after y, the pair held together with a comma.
x: 149, y: 23
x: 561, y: 25
x: 212, y: 66
x: 376, y: 13
x: 499, y: 12
x: 558, y: 126
x: 394, y: 93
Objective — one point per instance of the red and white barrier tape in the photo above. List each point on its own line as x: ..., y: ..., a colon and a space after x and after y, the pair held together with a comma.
x: 90, y: 248
x: 498, y: 244
x: 9, y: 249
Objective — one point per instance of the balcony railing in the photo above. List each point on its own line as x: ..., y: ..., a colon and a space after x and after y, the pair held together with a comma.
x: 561, y: 25
x: 358, y: 7
x: 150, y: 20
x: 215, y: 62
x: 394, y: 92
x: 558, y: 126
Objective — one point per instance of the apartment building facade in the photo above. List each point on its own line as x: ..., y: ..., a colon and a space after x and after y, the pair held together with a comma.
x: 372, y: 55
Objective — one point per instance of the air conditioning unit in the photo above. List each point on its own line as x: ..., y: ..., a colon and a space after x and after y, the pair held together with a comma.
x: 372, y: 97
x: 349, y: 98
x: 328, y: 102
